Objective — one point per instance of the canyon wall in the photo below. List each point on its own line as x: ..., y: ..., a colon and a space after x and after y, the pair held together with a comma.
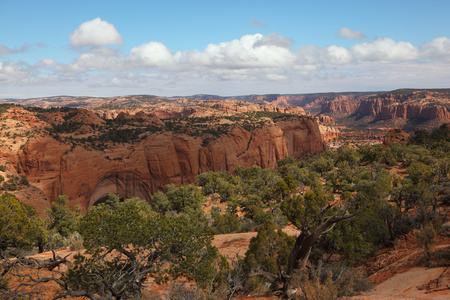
x: 87, y: 176
x: 414, y: 112
x: 425, y: 106
x: 340, y: 106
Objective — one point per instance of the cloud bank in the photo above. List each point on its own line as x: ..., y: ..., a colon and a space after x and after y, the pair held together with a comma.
x: 257, y: 60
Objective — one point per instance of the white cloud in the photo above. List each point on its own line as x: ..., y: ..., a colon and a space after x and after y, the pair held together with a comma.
x: 98, y: 59
x: 95, y: 33
x: 253, y: 53
x: 338, y: 55
x: 439, y: 47
x: 309, y: 55
x: 250, y: 51
x: 385, y: 49
x: 152, y: 54
x: 10, y: 72
x: 274, y: 39
x: 256, y: 60
x: 347, y: 33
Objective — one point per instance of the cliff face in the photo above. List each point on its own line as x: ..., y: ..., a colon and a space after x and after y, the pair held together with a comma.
x: 88, y: 176
x: 307, y: 101
x: 373, y: 107
x: 340, y: 106
x: 302, y: 137
x: 405, y: 111
x: 233, y: 107
x: 423, y: 105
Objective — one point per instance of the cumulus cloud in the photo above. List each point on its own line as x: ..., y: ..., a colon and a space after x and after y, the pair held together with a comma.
x: 152, y: 54
x: 95, y: 33
x: 252, y: 54
x: 338, y: 55
x: 10, y: 72
x: 347, y: 33
x: 250, y: 51
x: 251, y: 59
x: 274, y: 39
x: 439, y: 47
x: 385, y: 49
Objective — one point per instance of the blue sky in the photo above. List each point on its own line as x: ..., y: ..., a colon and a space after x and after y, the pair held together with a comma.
x: 110, y: 48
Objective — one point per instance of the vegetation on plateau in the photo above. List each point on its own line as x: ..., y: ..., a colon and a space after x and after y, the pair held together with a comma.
x: 132, y: 130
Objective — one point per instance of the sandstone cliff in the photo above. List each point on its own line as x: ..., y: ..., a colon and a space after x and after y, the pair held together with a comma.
x: 326, y: 119
x: 311, y: 102
x: 340, y: 106
x: 405, y: 111
x: 138, y: 170
x: 403, y: 104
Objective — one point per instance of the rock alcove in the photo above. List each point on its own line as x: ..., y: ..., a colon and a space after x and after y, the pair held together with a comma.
x: 124, y: 184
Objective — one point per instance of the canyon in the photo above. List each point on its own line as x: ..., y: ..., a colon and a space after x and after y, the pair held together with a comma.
x: 135, y: 145
x: 75, y: 152
x: 162, y: 140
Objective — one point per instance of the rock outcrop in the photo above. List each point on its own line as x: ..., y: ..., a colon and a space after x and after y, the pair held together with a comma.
x: 419, y: 105
x: 329, y: 133
x: 307, y: 101
x: 327, y: 120
x: 340, y: 106
x: 406, y: 111
x: 141, y: 118
x: 396, y: 136
x: 138, y: 170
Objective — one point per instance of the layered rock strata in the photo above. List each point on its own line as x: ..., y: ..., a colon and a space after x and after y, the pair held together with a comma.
x: 87, y: 176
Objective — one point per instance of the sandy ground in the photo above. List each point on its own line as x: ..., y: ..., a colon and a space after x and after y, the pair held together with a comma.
x: 404, y: 285
x: 398, y: 277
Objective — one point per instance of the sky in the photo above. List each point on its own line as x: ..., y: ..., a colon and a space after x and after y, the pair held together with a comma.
x: 227, y: 48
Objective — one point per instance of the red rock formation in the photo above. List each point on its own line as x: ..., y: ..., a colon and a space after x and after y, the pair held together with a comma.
x: 410, y: 111
x: 373, y: 107
x: 309, y: 101
x: 87, y: 176
x: 408, y: 105
x: 396, y: 136
x: 441, y: 283
x: 86, y: 117
x: 329, y: 133
x: 302, y: 137
x: 340, y: 106
x: 326, y: 119
x: 233, y: 107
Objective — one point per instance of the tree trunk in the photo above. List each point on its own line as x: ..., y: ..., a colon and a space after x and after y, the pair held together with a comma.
x: 41, y: 247
x: 299, y: 252
x: 303, y: 245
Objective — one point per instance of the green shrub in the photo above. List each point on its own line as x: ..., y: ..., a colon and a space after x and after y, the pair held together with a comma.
x: 427, y: 237
x: 247, y: 225
x: 226, y: 223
